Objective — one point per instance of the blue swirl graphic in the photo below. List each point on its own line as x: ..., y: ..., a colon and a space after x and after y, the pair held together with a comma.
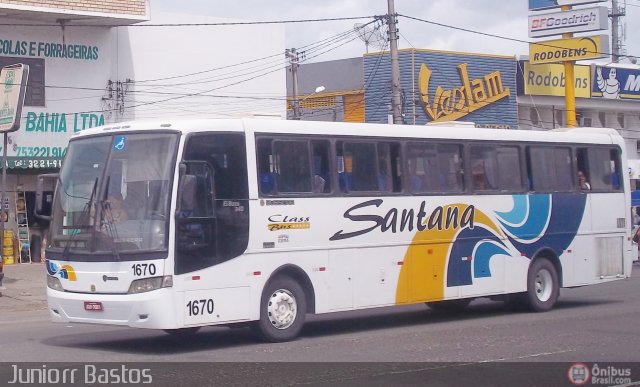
x: 567, y: 210
x: 484, y: 252
x: 461, y: 256
x: 536, y: 206
x: 52, y: 268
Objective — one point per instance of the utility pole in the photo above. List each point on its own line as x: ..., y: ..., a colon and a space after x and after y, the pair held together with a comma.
x: 396, y: 99
x: 294, y: 58
x: 570, y: 83
x: 617, y: 13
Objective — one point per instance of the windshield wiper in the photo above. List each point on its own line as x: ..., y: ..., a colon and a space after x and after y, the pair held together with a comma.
x: 83, y: 219
x: 108, y: 221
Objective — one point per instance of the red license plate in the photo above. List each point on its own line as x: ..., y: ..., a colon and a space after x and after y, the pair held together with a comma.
x: 93, y: 306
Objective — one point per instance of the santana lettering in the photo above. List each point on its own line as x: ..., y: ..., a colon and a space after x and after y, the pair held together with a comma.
x: 400, y: 220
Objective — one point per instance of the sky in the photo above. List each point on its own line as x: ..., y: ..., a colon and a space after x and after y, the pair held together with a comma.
x: 498, y: 17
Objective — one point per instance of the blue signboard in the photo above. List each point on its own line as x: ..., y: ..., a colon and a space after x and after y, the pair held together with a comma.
x: 120, y: 143
x: 615, y: 83
x: 535, y: 5
x: 442, y: 86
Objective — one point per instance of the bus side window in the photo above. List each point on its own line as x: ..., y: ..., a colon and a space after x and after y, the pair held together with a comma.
x: 601, y: 167
x: 266, y: 168
x: 321, y: 166
x: 293, y: 166
x: 549, y: 169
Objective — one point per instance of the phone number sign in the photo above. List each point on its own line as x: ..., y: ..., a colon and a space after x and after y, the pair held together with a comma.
x: 33, y: 163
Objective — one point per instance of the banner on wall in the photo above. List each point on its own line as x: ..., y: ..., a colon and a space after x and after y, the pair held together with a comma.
x: 549, y: 79
x: 616, y: 83
x: 445, y: 86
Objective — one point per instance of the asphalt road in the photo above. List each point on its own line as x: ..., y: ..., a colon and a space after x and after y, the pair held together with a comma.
x: 598, y: 323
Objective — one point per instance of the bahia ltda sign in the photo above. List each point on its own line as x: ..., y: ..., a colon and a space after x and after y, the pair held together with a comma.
x: 13, y: 83
x: 536, y: 5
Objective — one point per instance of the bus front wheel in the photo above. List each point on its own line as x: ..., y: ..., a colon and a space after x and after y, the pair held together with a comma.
x: 282, y: 310
x: 542, y: 285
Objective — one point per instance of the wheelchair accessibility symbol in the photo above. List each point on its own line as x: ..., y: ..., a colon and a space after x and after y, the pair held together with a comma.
x: 119, y: 143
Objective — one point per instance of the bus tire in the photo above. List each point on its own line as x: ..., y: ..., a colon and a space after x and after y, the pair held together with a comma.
x: 515, y: 302
x: 182, y: 332
x: 282, y: 310
x: 450, y: 305
x: 542, y: 285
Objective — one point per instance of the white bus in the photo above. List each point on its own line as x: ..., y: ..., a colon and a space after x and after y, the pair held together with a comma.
x: 178, y: 225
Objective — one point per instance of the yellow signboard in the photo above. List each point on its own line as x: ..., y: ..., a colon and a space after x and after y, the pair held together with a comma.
x: 474, y: 94
x: 569, y: 50
x: 549, y: 79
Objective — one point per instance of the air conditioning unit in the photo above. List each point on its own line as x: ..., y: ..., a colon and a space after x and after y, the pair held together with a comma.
x: 586, y: 122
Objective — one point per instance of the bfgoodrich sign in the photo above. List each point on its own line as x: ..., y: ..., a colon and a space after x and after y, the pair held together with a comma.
x: 579, y: 20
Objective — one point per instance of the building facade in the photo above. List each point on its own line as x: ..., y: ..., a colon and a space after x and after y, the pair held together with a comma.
x: 442, y: 86
x: 343, y: 96
x: 606, y: 96
x: 92, y: 63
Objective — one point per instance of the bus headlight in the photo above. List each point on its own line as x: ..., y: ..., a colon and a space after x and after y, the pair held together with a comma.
x: 54, y: 283
x: 149, y: 284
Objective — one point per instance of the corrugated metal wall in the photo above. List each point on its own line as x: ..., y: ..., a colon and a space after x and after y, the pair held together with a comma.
x: 354, y: 108
x: 445, y: 73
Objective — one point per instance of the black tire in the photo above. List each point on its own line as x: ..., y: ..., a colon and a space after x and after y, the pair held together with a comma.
x: 516, y: 302
x: 450, y: 305
x: 287, y: 295
x: 542, y: 285
x: 182, y: 332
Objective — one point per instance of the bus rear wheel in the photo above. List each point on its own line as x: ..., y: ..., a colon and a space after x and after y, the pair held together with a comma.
x: 542, y: 285
x: 282, y: 310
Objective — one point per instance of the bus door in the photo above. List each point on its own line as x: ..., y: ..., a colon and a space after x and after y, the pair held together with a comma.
x: 212, y: 228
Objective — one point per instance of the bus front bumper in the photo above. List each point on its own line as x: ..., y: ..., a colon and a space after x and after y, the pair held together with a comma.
x: 153, y: 310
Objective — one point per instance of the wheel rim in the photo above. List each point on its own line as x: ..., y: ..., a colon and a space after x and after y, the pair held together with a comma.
x: 544, y: 285
x: 282, y: 309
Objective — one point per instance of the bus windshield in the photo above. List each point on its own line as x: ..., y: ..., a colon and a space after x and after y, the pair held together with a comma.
x: 113, y: 196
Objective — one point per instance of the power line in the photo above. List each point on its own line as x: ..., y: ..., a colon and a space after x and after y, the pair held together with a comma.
x: 279, y: 54
x: 543, y: 44
x: 200, y: 93
x: 212, y: 24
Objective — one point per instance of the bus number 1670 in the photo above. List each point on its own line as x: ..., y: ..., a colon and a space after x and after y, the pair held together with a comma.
x: 200, y: 307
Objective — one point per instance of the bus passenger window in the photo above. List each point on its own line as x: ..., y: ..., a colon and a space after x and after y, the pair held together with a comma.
x: 293, y: 169
x: 549, y: 169
x: 483, y: 168
x: 321, y: 167
x: 359, y: 173
x: 267, y: 183
x: 496, y: 168
x: 601, y: 167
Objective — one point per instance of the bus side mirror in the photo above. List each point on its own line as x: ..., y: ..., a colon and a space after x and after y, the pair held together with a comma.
x: 40, y: 197
x: 188, y: 186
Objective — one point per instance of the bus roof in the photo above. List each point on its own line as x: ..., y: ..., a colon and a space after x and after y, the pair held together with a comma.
x: 440, y: 131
